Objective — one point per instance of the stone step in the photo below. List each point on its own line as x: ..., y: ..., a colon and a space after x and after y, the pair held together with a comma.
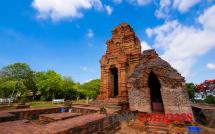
x: 157, y: 132
x: 4, y: 116
x: 48, y: 118
x: 151, y: 131
x: 84, y: 109
x: 156, y: 124
x: 108, y: 104
x: 157, y: 128
x: 114, y: 107
x: 95, y: 102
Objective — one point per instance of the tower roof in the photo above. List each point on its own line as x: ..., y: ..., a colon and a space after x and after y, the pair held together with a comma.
x: 122, y: 25
x: 122, y: 29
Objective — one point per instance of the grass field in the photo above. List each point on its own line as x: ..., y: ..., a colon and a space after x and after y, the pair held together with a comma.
x: 41, y: 104
x: 48, y: 104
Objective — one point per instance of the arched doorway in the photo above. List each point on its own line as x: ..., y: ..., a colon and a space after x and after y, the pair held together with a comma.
x: 114, y: 81
x: 156, y: 98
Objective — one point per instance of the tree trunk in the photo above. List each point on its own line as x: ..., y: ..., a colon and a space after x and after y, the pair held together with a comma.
x: 87, y: 101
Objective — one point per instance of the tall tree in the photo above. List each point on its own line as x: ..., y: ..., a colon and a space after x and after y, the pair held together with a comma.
x: 68, y: 88
x: 91, y: 88
x: 191, y: 91
x: 49, y: 84
x: 21, y: 74
x: 6, y: 88
x: 17, y: 71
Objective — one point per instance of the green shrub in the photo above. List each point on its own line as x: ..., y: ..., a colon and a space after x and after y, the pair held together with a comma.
x: 210, y: 99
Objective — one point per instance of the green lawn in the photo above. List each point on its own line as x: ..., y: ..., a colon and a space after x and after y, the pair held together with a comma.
x: 48, y: 104
x: 44, y: 104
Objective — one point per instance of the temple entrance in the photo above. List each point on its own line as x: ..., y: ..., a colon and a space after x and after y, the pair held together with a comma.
x: 114, y: 81
x: 156, y: 98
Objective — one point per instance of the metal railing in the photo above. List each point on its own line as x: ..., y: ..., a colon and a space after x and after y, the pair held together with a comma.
x: 6, y: 100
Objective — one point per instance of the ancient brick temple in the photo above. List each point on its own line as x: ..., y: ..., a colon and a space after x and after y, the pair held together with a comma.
x: 122, y: 56
x: 144, y: 80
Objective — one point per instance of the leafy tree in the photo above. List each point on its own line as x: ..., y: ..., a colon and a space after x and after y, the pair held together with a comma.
x: 20, y: 75
x: 91, y: 88
x: 79, y: 92
x: 210, y: 99
x: 6, y: 88
x: 49, y: 84
x: 191, y: 90
x: 30, y: 83
x: 68, y: 88
x: 207, y: 88
x: 17, y: 71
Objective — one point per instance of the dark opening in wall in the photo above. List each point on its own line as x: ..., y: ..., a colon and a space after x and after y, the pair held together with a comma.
x: 156, y: 98
x: 114, y: 80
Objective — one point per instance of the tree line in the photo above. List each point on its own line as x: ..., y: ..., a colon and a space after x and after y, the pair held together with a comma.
x: 20, y: 81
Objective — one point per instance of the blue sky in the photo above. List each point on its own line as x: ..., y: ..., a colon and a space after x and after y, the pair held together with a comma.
x: 69, y: 36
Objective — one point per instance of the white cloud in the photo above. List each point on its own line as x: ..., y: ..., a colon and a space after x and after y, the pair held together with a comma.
x: 90, y: 33
x: 61, y: 9
x: 144, y: 46
x: 87, y: 69
x: 184, y: 5
x: 165, y: 7
x: 139, y: 2
x: 183, y: 44
x: 88, y: 80
x: 135, y: 2
x: 211, y: 66
x: 208, y: 19
x: 109, y: 10
x: 84, y: 68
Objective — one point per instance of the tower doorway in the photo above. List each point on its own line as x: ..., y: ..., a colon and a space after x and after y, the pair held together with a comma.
x: 156, y: 98
x: 114, y: 81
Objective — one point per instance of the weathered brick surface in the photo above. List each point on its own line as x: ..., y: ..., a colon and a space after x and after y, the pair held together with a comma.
x: 86, y: 124
x: 20, y: 127
x: 82, y: 124
x: 84, y: 109
x: 33, y: 113
x: 47, y: 118
x: 174, y: 95
x: 29, y: 113
x: 124, y: 53
x: 4, y: 116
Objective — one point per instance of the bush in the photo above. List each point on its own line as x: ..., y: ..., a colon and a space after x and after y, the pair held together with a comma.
x: 210, y: 99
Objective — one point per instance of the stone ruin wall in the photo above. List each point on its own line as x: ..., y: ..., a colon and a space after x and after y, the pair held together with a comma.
x: 175, y: 97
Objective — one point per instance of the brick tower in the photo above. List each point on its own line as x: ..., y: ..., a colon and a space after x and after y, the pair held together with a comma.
x: 122, y: 56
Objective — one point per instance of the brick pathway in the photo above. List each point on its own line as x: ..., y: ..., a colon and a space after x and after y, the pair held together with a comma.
x: 58, y: 127
x: 47, y: 118
x: 20, y: 127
